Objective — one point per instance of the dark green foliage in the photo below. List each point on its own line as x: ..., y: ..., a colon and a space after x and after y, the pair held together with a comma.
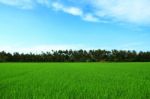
x: 78, y: 56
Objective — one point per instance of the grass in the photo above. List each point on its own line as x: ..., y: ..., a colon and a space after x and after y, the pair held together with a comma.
x: 75, y: 81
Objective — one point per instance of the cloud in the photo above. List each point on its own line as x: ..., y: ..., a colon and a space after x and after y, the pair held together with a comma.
x: 70, y: 10
x: 123, y: 11
x: 29, y: 4
x: 132, y: 11
x: 76, y: 11
x: 132, y: 46
x: 90, y: 17
x: 128, y: 11
x: 24, y: 4
x: 42, y: 48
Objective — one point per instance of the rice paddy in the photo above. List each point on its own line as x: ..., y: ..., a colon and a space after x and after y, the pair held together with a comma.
x: 75, y: 81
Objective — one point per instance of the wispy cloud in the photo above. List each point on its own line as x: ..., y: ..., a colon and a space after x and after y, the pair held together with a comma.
x: 128, y: 11
x: 90, y: 17
x: 70, y: 10
x: 76, y: 11
x: 24, y: 4
x: 132, y: 11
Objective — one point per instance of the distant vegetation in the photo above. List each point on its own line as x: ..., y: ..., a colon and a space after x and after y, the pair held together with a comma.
x: 78, y: 56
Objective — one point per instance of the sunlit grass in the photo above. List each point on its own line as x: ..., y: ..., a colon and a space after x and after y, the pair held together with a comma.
x: 75, y: 81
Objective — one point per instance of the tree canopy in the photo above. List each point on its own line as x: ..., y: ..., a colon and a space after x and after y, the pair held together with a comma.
x: 77, y: 56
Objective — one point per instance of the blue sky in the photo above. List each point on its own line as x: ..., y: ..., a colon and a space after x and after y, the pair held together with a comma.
x: 42, y: 25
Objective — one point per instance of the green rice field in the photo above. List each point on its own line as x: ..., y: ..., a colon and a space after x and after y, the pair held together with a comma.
x: 75, y: 81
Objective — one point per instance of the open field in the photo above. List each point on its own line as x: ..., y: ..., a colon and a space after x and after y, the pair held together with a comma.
x: 75, y: 81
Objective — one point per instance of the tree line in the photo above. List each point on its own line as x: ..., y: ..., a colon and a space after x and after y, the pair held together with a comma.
x: 77, y: 56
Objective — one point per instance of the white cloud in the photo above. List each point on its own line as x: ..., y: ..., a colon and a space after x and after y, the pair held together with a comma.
x: 133, y: 11
x: 128, y: 11
x: 132, y: 46
x: 125, y: 11
x: 70, y: 10
x: 75, y: 11
x: 90, y: 17
x: 24, y: 4
x: 41, y: 48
